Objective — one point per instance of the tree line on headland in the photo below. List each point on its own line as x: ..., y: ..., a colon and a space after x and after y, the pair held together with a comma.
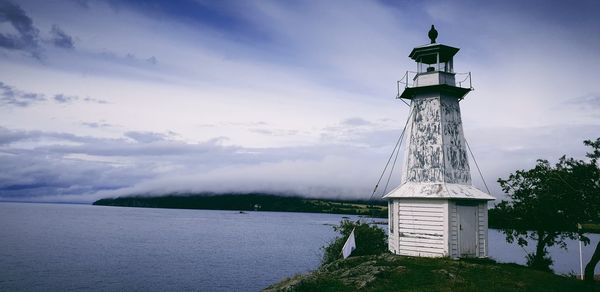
x: 252, y: 202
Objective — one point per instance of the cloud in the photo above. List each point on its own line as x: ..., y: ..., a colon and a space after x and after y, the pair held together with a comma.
x: 95, y: 100
x: 8, y: 136
x: 149, y: 162
x: 355, y: 122
x: 274, y: 132
x: 96, y: 125
x: 590, y: 101
x: 322, y: 79
x: 145, y: 137
x: 128, y: 59
x: 61, y: 98
x: 11, y: 96
x: 27, y: 38
x: 38, y: 176
x: 152, y: 60
x: 362, y: 132
x: 583, y: 108
x: 40, y: 165
x: 61, y: 39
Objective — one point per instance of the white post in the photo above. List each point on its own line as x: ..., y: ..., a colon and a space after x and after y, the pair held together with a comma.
x: 580, y: 256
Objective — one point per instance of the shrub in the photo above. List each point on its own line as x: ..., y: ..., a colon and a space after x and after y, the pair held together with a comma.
x: 370, y: 240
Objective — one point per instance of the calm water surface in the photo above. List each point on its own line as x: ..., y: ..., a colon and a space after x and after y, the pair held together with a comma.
x: 81, y: 247
x: 565, y: 261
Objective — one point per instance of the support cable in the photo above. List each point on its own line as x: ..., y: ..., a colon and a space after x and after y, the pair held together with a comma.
x: 385, y: 168
x: 392, y: 169
x: 477, y: 165
x: 404, y: 101
x: 395, y: 150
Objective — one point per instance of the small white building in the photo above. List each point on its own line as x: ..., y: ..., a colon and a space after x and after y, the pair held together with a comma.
x: 436, y: 211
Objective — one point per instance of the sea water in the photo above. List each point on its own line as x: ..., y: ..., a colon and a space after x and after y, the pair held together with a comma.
x: 58, y: 247
x: 81, y: 247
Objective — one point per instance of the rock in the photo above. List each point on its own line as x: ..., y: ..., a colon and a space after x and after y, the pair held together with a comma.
x: 353, y: 272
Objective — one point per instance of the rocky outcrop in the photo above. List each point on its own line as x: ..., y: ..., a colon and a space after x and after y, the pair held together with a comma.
x: 355, y: 272
x: 387, y: 272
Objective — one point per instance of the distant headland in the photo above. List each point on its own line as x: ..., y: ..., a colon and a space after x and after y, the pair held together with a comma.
x: 251, y: 202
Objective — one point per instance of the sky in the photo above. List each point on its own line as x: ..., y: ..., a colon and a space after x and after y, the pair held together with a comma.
x: 112, y: 98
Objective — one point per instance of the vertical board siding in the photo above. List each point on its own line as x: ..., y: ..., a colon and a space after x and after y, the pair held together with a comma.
x: 446, y: 228
x: 430, y: 228
x: 482, y: 230
x: 393, y: 234
x: 453, y: 235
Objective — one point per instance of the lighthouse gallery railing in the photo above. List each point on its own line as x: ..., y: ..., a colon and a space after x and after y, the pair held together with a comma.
x: 409, y: 80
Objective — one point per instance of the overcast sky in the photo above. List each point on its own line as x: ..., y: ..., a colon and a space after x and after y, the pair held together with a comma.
x: 109, y: 98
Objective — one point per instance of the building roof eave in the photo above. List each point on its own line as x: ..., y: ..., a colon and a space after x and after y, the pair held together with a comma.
x: 458, y: 92
x: 445, y: 52
x: 415, y: 190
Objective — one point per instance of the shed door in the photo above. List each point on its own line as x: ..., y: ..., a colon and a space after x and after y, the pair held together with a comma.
x: 467, y: 230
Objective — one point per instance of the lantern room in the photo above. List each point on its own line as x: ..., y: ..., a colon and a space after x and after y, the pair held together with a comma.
x: 435, y: 71
x: 434, y: 58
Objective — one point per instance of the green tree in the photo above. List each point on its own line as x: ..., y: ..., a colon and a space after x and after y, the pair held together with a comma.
x: 535, y: 212
x: 548, y: 202
x: 585, y: 178
x: 581, y: 197
x: 369, y: 239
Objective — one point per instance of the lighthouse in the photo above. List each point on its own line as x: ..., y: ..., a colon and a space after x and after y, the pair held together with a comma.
x: 436, y: 211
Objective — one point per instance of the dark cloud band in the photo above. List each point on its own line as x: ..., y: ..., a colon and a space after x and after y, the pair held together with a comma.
x: 27, y: 37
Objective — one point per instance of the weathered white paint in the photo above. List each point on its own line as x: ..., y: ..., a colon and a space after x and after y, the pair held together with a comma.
x: 436, y: 197
x: 437, y: 191
x: 453, y: 230
x: 421, y: 228
x: 482, y: 240
x: 431, y: 228
x: 468, y: 228
x: 392, y: 226
x: 436, y: 149
x: 434, y: 78
x: 479, y: 225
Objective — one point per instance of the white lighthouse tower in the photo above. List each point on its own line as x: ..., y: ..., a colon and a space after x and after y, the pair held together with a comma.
x: 436, y: 211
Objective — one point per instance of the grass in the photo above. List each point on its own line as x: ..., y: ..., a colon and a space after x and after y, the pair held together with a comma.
x: 341, y: 207
x: 388, y: 272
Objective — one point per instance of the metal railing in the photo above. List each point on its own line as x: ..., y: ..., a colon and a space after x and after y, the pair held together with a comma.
x: 466, y: 80
x: 410, y: 80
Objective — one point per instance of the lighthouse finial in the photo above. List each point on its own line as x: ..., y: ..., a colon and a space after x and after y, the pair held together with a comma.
x: 432, y: 34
